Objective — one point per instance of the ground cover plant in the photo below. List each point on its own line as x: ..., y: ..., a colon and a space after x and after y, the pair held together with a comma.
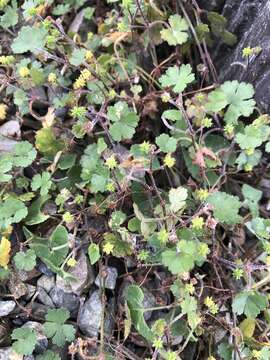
x: 121, y: 153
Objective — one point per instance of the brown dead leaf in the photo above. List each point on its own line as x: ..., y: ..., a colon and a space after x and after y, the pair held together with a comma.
x: 117, y: 35
x: 201, y: 154
x: 48, y: 119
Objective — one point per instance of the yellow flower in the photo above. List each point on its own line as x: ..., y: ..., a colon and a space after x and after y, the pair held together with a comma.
x: 229, y: 129
x: 212, y: 306
x: 6, y: 59
x: 203, y: 249
x: 111, y: 162
x: 108, y: 248
x: 247, y: 51
x: 3, y: 111
x: 79, y: 83
x: 52, y: 78
x: 157, y: 343
x: 24, y: 71
x: 165, y: 97
x: 71, y: 262
x: 197, y: 223
x: 248, y: 167
x: 110, y: 187
x: 202, y: 194
x: 68, y: 217
x: 88, y: 55
x: 256, y: 354
x: 145, y: 147
x: 163, y: 236
x: 86, y: 74
x: 169, y: 161
x: 249, y: 151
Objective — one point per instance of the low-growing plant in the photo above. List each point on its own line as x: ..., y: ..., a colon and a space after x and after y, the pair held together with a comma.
x: 135, y: 131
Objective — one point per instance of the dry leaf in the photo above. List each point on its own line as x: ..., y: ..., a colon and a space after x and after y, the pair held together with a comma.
x: 48, y: 118
x: 117, y: 35
x: 201, y: 153
x: 4, y: 252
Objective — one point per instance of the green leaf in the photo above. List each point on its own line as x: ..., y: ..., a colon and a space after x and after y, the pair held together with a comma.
x: 250, y: 303
x: 25, y: 340
x: 177, y: 33
x: 42, y: 182
x: 226, y: 207
x: 23, y: 154
x: 38, y: 76
x: 25, y: 260
x: 98, y: 183
x: 178, y: 263
x: 52, y: 251
x: 237, y: 96
x: 121, y: 248
x: 117, y: 219
x: 77, y: 57
x: 47, y: 143
x: 67, y: 161
x: 11, y: 211
x: 250, y: 139
x: 5, y: 166
x: 49, y: 355
x: 35, y: 215
x: 177, y: 78
x: 173, y: 115
x: 247, y: 327
x: 93, y: 253
x: 10, y: 17
x: 267, y: 147
x: 225, y: 351
x: 166, y: 143
x: 134, y: 297
x: 252, y: 197
x: 56, y: 329
x: 124, y: 121
x: 29, y: 39
x: 177, y: 198
x: 21, y: 100
x: 184, y: 257
x: 189, y: 305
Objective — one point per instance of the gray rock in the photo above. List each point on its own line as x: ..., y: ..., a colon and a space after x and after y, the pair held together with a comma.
x: 111, y: 275
x: 83, y: 274
x: 39, y: 310
x: 64, y: 299
x: 89, y: 316
x: 249, y: 20
x: 42, y: 341
x: 8, y: 354
x: 149, y: 301
x: 11, y: 129
x: 6, y: 145
x: 6, y: 307
x: 46, y: 282
x: 44, y: 285
x: 31, y: 289
x: 43, y: 268
x: 44, y: 297
x: 109, y: 321
x: 27, y: 275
